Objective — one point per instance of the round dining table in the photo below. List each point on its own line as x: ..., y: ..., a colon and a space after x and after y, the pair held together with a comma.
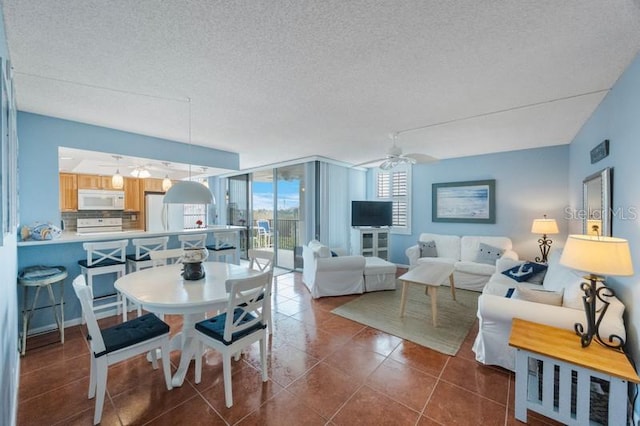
x: 163, y: 290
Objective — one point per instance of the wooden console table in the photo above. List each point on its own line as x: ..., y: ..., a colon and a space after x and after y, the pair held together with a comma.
x: 563, y: 361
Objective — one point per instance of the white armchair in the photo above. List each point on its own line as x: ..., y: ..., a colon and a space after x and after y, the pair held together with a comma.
x: 325, y: 275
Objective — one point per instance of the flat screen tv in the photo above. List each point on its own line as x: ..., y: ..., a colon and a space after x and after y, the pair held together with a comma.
x: 371, y: 213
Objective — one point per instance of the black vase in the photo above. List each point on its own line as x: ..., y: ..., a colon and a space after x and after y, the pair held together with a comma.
x: 193, y: 271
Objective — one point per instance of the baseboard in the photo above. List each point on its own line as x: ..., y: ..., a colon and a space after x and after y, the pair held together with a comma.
x: 48, y: 328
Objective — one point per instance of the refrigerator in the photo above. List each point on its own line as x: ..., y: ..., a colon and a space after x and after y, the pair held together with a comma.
x: 161, y: 217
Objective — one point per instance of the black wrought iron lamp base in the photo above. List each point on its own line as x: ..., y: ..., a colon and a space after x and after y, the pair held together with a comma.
x: 591, y: 294
x: 545, y: 246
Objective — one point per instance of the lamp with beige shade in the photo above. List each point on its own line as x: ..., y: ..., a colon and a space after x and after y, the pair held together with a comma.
x: 545, y: 227
x: 599, y: 256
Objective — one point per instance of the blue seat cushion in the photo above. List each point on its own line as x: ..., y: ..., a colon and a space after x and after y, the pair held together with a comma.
x: 131, y: 332
x: 223, y: 246
x: 214, y: 327
x: 105, y: 262
x: 141, y: 259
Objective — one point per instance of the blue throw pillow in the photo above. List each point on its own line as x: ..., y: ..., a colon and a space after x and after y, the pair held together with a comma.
x: 510, y: 292
x: 334, y: 254
x: 526, y: 271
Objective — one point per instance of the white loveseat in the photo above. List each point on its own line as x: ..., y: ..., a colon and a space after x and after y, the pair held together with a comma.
x: 461, y: 252
x: 496, y: 311
x: 325, y: 275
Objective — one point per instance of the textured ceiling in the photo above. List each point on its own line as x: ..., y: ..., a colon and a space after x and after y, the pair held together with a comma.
x: 276, y: 80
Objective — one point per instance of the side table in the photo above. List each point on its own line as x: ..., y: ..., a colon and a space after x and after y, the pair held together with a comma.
x: 563, y: 390
x: 38, y: 277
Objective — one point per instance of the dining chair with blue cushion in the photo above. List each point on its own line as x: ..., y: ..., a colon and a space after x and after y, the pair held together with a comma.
x: 118, y: 343
x: 222, y: 247
x: 143, y: 247
x: 262, y: 260
x: 240, y: 326
x: 106, y: 257
x: 192, y: 240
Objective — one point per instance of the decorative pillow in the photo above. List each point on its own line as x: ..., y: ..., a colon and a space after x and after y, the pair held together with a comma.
x: 510, y: 292
x: 488, y: 254
x: 526, y: 272
x: 334, y: 254
x: 538, y: 296
x: 428, y: 249
x: 573, y: 295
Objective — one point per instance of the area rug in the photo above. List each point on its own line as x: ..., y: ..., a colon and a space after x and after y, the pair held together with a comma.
x: 381, y: 310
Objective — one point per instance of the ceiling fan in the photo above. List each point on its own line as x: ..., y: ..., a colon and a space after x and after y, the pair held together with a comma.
x: 395, y: 157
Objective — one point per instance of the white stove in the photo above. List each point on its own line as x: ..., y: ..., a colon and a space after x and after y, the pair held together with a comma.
x: 95, y: 226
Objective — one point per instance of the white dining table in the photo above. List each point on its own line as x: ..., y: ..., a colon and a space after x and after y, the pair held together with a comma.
x: 162, y: 290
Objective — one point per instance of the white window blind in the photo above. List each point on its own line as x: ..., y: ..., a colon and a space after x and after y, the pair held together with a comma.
x: 394, y: 186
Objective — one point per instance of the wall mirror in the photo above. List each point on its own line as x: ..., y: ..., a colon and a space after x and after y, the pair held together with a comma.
x: 596, y: 198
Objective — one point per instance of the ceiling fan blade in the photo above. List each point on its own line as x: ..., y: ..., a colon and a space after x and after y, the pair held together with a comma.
x: 422, y: 158
x: 369, y: 162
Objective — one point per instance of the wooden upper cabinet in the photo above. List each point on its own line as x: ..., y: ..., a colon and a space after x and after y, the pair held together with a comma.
x: 132, y: 198
x: 68, y: 192
x: 153, y: 185
x: 94, y: 182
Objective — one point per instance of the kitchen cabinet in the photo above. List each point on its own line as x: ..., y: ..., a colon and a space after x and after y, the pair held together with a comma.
x: 94, y: 182
x: 132, y: 198
x: 68, y: 192
x: 153, y: 185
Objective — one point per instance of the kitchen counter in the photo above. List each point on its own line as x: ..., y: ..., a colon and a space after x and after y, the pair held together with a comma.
x: 73, y: 237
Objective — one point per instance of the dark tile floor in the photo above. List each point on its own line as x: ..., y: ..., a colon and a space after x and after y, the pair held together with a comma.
x: 323, y: 369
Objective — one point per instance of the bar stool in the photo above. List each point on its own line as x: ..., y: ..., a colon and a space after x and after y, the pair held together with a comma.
x: 39, y: 277
x: 192, y: 240
x: 144, y: 246
x: 223, y: 246
x: 106, y: 257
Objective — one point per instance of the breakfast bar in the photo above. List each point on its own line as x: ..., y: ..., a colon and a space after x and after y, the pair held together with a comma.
x: 66, y: 250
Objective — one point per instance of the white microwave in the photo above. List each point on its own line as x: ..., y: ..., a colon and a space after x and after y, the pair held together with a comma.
x: 95, y: 199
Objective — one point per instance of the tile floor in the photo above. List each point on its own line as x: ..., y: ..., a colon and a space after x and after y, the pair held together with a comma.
x: 323, y: 369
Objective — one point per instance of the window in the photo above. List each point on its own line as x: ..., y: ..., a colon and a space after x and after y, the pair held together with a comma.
x: 395, y: 186
x: 194, y: 213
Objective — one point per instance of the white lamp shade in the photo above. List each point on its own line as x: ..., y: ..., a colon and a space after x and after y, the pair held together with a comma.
x: 188, y: 192
x: 117, y: 181
x: 597, y: 255
x: 544, y: 226
x: 141, y: 173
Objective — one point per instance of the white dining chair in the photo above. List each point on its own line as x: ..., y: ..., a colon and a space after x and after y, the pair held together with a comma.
x: 229, y: 334
x: 143, y: 247
x: 192, y: 240
x: 106, y: 257
x: 165, y: 257
x: 262, y: 260
x: 118, y: 343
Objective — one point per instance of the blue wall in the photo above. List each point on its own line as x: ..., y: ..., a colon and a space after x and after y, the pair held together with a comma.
x: 529, y: 183
x: 617, y: 118
x: 9, y: 359
x: 40, y: 137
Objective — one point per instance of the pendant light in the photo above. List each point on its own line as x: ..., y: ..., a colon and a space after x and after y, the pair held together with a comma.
x: 188, y: 191
x: 166, y: 182
x: 117, y: 181
x: 140, y: 172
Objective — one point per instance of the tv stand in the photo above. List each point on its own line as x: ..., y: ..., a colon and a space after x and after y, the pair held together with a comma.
x: 370, y: 241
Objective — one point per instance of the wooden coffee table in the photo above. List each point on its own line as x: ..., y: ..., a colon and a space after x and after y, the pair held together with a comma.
x: 430, y: 276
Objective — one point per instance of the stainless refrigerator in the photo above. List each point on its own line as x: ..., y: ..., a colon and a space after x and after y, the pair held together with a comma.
x: 161, y: 217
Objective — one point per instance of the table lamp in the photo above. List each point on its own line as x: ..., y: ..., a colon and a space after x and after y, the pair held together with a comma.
x: 545, y: 227
x: 598, y: 256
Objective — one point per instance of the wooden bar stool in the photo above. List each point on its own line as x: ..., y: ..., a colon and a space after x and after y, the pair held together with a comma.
x: 106, y: 257
x: 38, y: 277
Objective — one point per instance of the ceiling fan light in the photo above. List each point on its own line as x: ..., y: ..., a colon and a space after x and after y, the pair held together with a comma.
x: 117, y: 181
x: 188, y: 192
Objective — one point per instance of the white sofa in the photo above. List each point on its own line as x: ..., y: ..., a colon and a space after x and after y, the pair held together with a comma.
x: 461, y: 252
x: 325, y: 275
x: 496, y: 312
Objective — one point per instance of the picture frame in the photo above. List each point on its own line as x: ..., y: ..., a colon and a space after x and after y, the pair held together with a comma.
x: 464, y: 202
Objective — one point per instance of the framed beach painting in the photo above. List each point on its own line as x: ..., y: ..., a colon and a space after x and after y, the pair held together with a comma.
x: 464, y: 202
